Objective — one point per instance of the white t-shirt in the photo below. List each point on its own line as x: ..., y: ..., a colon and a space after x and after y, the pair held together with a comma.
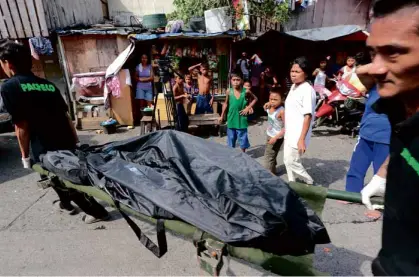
x: 301, y: 100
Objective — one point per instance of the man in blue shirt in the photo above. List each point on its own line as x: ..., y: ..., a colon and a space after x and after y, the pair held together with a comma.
x: 374, y: 138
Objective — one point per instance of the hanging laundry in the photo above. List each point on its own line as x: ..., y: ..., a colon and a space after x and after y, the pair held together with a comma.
x: 89, y: 85
x: 41, y: 45
x: 114, y: 86
x: 85, y: 82
x: 33, y: 52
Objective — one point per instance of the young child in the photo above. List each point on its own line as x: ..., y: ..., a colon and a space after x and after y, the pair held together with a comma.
x: 346, y: 72
x: 275, y: 130
x: 181, y: 97
x: 238, y: 109
x: 321, y: 79
x: 189, y: 88
x: 205, y: 99
x: 247, y: 85
x: 320, y: 74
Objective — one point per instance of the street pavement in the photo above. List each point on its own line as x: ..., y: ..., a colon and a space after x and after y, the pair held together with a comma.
x: 35, y: 239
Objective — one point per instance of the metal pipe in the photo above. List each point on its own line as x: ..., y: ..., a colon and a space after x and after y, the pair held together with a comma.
x: 352, y: 197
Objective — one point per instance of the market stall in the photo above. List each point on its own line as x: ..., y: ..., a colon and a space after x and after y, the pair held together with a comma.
x: 183, y: 50
x: 337, y: 42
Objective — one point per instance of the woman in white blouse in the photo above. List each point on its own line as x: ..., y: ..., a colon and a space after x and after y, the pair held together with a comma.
x: 299, y: 116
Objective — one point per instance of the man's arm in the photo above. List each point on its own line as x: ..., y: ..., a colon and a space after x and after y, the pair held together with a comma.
x: 377, y: 186
x: 382, y: 172
x: 23, y: 137
x: 73, y: 129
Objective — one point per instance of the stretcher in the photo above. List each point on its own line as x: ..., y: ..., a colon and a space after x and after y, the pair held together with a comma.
x: 210, y: 251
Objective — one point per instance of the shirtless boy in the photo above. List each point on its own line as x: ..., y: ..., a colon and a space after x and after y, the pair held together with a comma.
x: 205, y: 99
x: 181, y: 97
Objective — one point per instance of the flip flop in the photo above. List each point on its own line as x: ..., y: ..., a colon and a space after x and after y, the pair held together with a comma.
x: 373, y: 214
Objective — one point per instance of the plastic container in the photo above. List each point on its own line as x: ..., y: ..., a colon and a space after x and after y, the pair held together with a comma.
x: 197, y: 24
x: 155, y: 21
x: 218, y: 20
x: 109, y: 126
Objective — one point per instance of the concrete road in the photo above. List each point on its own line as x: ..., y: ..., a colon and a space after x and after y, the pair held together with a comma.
x: 35, y: 239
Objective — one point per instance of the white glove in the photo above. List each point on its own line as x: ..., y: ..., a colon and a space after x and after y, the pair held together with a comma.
x: 26, y: 163
x: 376, y: 187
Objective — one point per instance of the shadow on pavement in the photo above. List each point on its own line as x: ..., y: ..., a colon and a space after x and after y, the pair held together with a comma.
x: 11, y: 167
x: 323, y: 172
x: 349, y: 262
x: 326, y: 132
x: 326, y: 172
x: 256, y: 151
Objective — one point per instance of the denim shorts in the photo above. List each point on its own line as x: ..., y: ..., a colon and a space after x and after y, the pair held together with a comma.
x: 144, y: 94
x: 241, y: 135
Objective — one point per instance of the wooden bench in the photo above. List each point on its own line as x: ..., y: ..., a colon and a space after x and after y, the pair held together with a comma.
x: 204, y: 119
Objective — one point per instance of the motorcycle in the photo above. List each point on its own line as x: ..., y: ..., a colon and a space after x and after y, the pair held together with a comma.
x: 344, y: 107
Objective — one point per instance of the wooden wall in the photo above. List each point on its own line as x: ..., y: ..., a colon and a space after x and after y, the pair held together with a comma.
x: 331, y: 13
x: 259, y: 26
x: 65, y: 13
x: 31, y: 18
x: 22, y: 19
x: 92, y: 53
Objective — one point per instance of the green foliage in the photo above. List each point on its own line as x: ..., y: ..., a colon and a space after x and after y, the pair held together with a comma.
x: 186, y: 9
x: 271, y: 10
x: 268, y: 9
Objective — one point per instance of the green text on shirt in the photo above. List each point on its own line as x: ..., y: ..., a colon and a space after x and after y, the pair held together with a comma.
x: 37, y: 87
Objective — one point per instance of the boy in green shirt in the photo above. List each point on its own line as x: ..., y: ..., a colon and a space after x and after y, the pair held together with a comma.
x: 238, y: 110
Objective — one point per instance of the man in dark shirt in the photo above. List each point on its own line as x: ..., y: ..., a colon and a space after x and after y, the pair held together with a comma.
x: 394, y: 43
x: 41, y: 120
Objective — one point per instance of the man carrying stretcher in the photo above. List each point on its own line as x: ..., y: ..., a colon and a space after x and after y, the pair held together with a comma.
x: 42, y: 122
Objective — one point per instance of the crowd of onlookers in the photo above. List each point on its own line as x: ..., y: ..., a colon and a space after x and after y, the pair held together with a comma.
x: 290, y: 109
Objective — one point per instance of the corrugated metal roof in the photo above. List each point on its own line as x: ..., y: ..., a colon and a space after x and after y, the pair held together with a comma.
x: 326, y: 33
x: 144, y: 36
x: 97, y: 31
x: 192, y: 35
